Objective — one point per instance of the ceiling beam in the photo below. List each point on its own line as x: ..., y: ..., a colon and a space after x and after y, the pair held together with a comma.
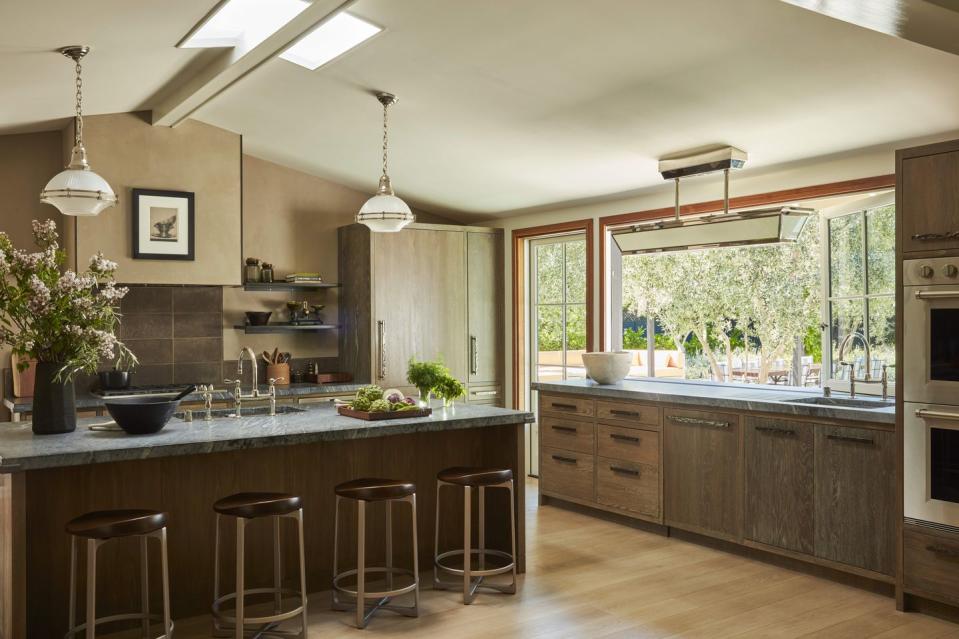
x: 184, y: 97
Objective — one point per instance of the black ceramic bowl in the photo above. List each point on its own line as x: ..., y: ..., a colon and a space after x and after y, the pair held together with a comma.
x: 258, y: 318
x: 141, y: 415
x: 114, y: 380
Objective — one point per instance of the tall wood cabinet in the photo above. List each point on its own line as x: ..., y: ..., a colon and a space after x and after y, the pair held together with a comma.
x: 428, y: 292
x: 927, y: 188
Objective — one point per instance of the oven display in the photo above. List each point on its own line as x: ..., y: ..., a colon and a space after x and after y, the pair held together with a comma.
x: 944, y: 458
x: 944, y: 344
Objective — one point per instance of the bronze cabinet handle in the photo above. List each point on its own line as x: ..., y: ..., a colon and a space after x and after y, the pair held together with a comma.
x: 567, y: 460
x: 565, y: 429
x: 936, y: 237
x: 624, y: 413
x: 563, y: 406
x: 851, y: 438
x: 625, y: 438
x: 773, y: 429
x: 942, y: 550
x: 474, y: 356
x: 625, y: 471
x: 695, y: 421
x: 381, y: 338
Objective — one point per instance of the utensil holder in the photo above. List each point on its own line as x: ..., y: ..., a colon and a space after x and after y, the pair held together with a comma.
x: 279, y: 372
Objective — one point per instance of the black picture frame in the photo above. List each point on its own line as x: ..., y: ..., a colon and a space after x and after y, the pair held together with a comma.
x: 142, y: 244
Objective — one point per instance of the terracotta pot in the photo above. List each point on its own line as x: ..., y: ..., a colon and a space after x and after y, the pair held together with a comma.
x: 279, y: 372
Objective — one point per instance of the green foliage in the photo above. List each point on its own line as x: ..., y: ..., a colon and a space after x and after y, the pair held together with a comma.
x: 425, y: 375
x: 380, y: 406
x: 812, y: 343
x: 372, y: 393
x: 361, y: 403
x: 449, y: 388
x: 634, y: 339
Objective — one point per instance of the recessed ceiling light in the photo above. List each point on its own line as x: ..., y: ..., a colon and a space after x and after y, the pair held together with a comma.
x: 243, y: 24
x: 334, y: 37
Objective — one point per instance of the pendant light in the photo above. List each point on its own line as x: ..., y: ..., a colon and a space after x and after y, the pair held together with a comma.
x: 77, y: 190
x: 384, y: 212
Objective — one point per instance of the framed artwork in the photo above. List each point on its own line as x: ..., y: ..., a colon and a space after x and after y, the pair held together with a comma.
x: 162, y: 225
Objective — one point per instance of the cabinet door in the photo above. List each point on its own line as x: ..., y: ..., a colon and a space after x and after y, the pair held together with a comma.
x: 419, y: 305
x: 929, y: 197
x: 855, y: 497
x: 702, y: 468
x: 484, y: 260
x: 780, y: 489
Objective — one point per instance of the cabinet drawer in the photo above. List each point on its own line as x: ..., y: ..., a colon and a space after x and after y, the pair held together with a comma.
x: 636, y: 445
x: 562, y: 472
x: 485, y: 394
x: 628, y: 413
x: 566, y: 405
x: 931, y: 563
x: 722, y: 421
x: 566, y: 434
x: 628, y: 485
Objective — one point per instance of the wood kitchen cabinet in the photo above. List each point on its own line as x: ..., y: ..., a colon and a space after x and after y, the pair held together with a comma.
x: 927, y: 185
x: 702, y: 466
x: 422, y: 293
x: 780, y: 485
x: 856, y: 496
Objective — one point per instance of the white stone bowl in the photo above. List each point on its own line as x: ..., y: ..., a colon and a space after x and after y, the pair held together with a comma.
x: 607, y: 368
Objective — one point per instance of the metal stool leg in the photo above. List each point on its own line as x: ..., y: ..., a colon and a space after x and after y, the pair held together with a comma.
x: 165, y: 572
x: 437, y: 585
x: 299, y: 532
x: 74, y: 542
x: 467, y: 555
x: 360, y: 564
x: 92, y: 545
x: 389, y: 545
x: 145, y: 587
x: 482, y: 527
x: 336, y: 548
x: 416, y: 560
x: 277, y: 570
x: 216, y: 571
x: 240, y: 616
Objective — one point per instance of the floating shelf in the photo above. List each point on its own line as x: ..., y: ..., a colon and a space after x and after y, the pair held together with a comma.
x: 285, y: 328
x: 288, y: 286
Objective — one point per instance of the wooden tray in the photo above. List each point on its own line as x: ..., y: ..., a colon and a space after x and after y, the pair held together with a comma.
x: 346, y: 411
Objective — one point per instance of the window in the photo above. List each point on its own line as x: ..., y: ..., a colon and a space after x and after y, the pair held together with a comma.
x: 859, y: 291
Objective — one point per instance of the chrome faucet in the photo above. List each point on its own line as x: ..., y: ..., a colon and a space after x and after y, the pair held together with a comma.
x: 255, y: 393
x: 852, y: 365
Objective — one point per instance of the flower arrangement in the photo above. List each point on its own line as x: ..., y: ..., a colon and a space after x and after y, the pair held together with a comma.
x: 55, y: 315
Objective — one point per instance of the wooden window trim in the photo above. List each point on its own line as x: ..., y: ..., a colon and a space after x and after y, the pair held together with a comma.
x: 520, y: 236
x: 609, y: 222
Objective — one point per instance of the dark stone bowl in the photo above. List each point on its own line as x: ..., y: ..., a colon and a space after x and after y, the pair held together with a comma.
x: 141, y: 415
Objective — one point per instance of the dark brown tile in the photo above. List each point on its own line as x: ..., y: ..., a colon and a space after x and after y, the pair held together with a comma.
x: 198, y: 299
x: 146, y: 326
x: 207, y: 373
x: 147, y: 299
x: 197, y: 349
x: 152, y: 351
x: 198, y: 325
x: 153, y: 374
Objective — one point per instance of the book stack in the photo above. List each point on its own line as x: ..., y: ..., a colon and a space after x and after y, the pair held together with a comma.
x: 295, y: 278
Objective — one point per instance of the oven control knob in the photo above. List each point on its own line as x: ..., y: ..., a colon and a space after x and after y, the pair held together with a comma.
x: 926, y: 272
x: 951, y: 270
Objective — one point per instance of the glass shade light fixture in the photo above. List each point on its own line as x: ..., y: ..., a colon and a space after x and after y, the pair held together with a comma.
x: 384, y: 212
x: 77, y: 190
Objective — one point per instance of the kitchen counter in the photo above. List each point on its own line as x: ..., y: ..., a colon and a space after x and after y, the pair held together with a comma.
x: 86, y: 400
x: 21, y: 450
x: 765, y: 399
x: 186, y: 467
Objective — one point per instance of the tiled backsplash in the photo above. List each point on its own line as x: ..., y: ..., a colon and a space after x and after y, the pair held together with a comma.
x: 176, y: 332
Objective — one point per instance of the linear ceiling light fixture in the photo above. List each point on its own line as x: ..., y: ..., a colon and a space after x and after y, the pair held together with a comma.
x: 330, y: 40
x: 77, y: 190
x: 384, y: 212
x: 756, y: 227
x: 242, y: 24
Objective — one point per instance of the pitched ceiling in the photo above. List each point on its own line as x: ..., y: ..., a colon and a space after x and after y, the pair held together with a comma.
x: 508, y: 105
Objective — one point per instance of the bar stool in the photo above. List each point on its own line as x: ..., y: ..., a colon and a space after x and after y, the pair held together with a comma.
x: 369, y: 490
x: 98, y: 528
x: 469, y: 478
x: 245, y: 507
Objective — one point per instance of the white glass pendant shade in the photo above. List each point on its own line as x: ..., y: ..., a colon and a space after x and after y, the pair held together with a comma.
x: 384, y: 212
x: 78, y: 191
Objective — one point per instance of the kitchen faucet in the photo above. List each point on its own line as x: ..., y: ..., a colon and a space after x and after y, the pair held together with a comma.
x: 255, y: 394
x: 852, y: 365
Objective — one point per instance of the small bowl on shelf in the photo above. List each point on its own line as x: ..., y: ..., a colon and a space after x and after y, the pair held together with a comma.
x: 258, y: 318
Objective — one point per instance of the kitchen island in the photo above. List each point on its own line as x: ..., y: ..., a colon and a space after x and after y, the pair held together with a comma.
x: 183, y: 469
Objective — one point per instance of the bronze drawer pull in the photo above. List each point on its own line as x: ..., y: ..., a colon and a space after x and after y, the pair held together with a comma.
x: 773, y: 429
x: 851, y: 438
x: 936, y: 237
x: 563, y: 406
x: 624, y: 413
x: 942, y: 550
x: 624, y: 471
x: 485, y: 393
x: 565, y: 429
x: 625, y: 438
x: 695, y: 421
x: 568, y: 460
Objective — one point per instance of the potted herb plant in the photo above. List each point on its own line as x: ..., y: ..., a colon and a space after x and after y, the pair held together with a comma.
x: 425, y: 376
x: 64, y: 320
x: 449, y: 389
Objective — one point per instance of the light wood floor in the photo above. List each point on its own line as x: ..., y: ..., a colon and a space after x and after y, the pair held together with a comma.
x: 589, y: 578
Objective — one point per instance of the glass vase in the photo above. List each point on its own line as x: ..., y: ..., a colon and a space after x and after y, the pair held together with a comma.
x: 426, y: 397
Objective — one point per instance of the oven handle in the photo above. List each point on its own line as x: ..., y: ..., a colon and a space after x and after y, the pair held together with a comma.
x: 936, y: 414
x: 936, y: 295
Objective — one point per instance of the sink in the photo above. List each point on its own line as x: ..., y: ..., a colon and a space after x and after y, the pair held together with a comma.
x: 842, y: 402
x: 247, y: 411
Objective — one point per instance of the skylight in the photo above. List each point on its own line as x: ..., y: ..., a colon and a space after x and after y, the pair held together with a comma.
x: 243, y: 24
x: 334, y: 37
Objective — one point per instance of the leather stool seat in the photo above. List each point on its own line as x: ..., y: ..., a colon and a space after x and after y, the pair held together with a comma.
x: 253, y: 505
x: 467, y: 476
x: 108, y: 524
x: 375, y: 489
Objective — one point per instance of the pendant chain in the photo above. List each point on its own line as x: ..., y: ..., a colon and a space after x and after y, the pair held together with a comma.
x: 78, y: 136
x: 385, y: 135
